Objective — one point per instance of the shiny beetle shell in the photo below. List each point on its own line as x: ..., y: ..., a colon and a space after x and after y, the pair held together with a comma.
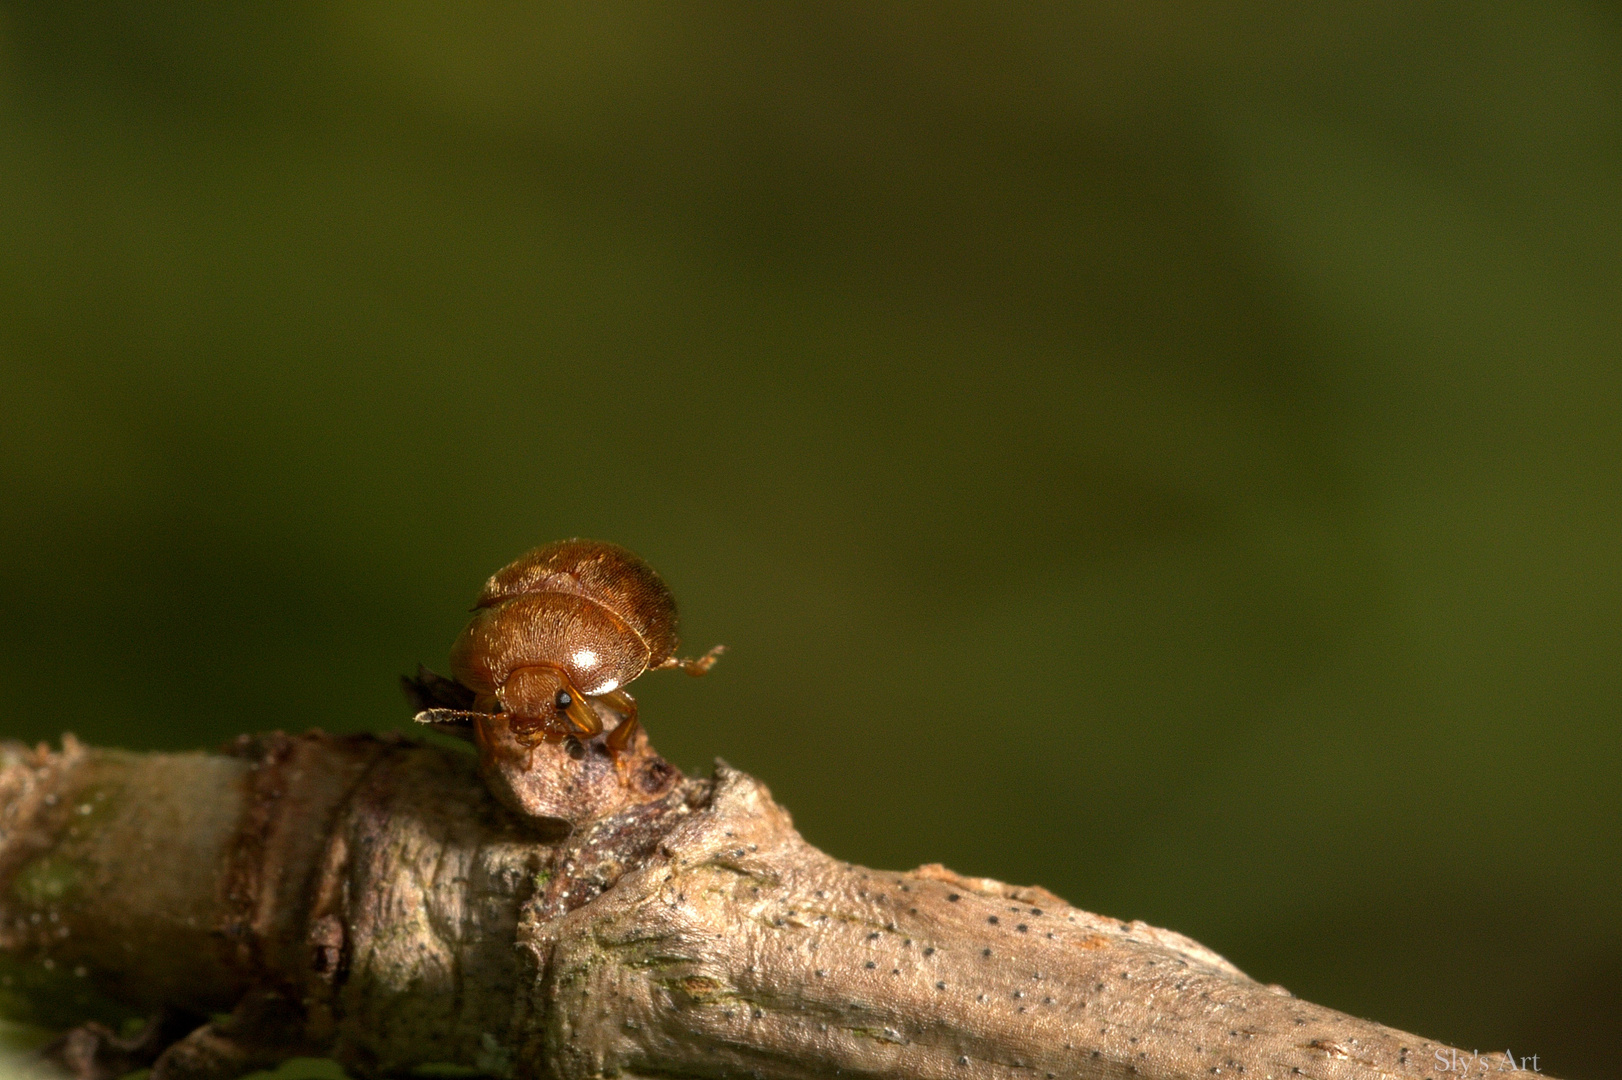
x: 591, y: 608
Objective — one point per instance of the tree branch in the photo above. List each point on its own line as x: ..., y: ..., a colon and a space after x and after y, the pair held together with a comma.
x: 370, y: 900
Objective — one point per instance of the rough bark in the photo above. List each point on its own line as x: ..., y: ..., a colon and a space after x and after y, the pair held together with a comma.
x: 370, y: 900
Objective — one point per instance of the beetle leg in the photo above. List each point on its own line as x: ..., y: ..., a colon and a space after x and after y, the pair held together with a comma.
x: 581, y: 716
x: 619, y: 740
x: 694, y: 667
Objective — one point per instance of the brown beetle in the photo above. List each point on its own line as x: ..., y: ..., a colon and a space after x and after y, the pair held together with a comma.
x: 560, y: 626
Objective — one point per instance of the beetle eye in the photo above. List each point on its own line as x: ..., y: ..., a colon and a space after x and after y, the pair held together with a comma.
x: 564, y: 700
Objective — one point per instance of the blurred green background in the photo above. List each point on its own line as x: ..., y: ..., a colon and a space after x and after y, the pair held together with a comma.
x: 1169, y: 452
